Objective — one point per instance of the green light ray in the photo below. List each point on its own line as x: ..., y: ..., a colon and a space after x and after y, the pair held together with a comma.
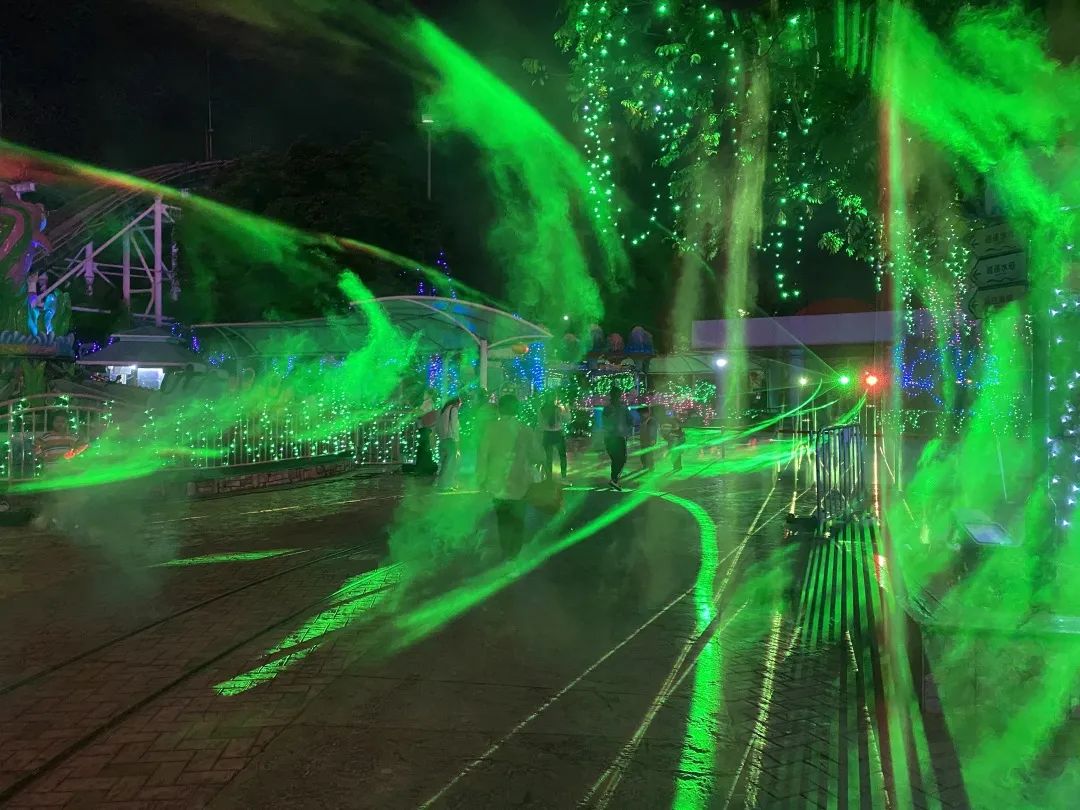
x: 229, y: 557
x: 356, y: 599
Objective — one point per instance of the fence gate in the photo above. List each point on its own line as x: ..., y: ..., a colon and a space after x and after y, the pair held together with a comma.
x: 841, y: 482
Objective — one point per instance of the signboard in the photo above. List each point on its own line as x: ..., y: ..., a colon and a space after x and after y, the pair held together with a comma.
x: 994, y: 240
x: 982, y: 300
x: 995, y: 271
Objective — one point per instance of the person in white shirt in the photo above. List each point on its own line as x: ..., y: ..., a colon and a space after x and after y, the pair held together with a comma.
x: 448, y: 429
x: 554, y: 439
x: 509, y: 454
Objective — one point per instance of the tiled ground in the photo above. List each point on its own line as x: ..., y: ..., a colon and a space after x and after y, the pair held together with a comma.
x: 617, y: 672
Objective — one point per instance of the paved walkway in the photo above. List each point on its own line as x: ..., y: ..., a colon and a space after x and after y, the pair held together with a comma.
x: 665, y: 647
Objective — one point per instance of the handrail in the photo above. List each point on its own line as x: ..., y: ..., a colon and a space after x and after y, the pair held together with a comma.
x: 251, y: 440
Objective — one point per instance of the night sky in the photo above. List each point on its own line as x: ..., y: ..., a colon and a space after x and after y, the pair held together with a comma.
x: 122, y: 83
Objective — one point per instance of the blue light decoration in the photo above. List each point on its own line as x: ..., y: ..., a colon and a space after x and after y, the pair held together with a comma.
x: 86, y: 349
x: 444, y: 265
x: 289, y: 364
x: 430, y: 289
x: 531, y: 366
x: 924, y: 373
x: 434, y: 371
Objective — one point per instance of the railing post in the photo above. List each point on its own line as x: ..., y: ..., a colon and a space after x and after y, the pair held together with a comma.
x: 159, y: 210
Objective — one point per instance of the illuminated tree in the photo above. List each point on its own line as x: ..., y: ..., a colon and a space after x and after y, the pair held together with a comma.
x: 706, y: 94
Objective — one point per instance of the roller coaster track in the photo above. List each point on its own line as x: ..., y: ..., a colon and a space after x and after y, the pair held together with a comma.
x: 72, y: 225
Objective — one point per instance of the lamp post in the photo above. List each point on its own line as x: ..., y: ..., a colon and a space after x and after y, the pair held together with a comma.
x: 428, y: 121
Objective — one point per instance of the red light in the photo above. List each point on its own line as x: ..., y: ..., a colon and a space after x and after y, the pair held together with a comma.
x: 871, y: 380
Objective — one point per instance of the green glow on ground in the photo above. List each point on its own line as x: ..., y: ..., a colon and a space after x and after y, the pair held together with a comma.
x: 356, y: 599
x: 229, y: 557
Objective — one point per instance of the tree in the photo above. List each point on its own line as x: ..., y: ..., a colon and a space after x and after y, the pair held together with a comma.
x: 247, y: 269
x: 720, y: 98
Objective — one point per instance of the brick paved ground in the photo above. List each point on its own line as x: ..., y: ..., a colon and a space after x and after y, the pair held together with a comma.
x: 609, y: 673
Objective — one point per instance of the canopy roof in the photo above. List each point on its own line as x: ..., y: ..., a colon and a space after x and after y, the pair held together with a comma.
x: 685, y: 363
x: 443, y: 325
x: 146, y: 346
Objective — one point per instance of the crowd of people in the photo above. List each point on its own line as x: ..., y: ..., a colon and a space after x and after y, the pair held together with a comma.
x: 511, y: 458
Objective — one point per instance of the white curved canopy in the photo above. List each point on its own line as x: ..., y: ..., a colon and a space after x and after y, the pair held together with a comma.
x: 443, y: 324
x: 452, y: 323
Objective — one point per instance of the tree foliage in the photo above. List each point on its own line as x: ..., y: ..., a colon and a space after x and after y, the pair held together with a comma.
x: 360, y: 191
x: 671, y: 84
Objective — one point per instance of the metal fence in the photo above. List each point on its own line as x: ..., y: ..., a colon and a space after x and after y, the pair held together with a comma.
x: 42, y: 432
x: 839, y: 455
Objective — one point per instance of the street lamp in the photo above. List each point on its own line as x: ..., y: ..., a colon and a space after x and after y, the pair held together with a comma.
x: 427, y: 120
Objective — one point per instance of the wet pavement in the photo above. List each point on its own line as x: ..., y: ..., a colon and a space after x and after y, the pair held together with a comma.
x: 666, y: 646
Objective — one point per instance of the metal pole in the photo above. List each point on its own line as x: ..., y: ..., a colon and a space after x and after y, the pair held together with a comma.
x: 127, y: 269
x: 484, y: 364
x: 159, y: 208
x: 88, y: 266
x: 209, y: 114
x: 429, y: 162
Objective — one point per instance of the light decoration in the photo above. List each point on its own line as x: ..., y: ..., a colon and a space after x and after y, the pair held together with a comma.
x: 1063, y: 386
x: 531, y: 366
x: 686, y: 401
x: 27, y: 420
x: 680, y: 74
x: 322, y: 427
x: 426, y: 287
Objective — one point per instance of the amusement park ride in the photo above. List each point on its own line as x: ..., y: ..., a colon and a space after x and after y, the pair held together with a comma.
x: 139, y: 258
x: 50, y: 265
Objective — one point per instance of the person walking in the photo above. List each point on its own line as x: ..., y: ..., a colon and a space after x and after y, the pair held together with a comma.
x: 617, y: 429
x: 426, y: 419
x: 474, y: 423
x: 650, y: 432
x: 448, y: 429
x: 676, y: 438
x: 509, y: 454
x: 553, y: 437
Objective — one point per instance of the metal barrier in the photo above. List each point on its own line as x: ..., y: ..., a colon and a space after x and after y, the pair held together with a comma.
x: 40, y: 432
x: 841, y: 482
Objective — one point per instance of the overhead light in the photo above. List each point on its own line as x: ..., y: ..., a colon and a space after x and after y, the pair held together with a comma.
x: 844, y: 379
x: 804, y: 380
x: 721, y: 362
x: 426, y: 118
x: 566, y: 317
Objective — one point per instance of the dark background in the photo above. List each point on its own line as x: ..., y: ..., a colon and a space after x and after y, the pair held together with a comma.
x: 124, y: 84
